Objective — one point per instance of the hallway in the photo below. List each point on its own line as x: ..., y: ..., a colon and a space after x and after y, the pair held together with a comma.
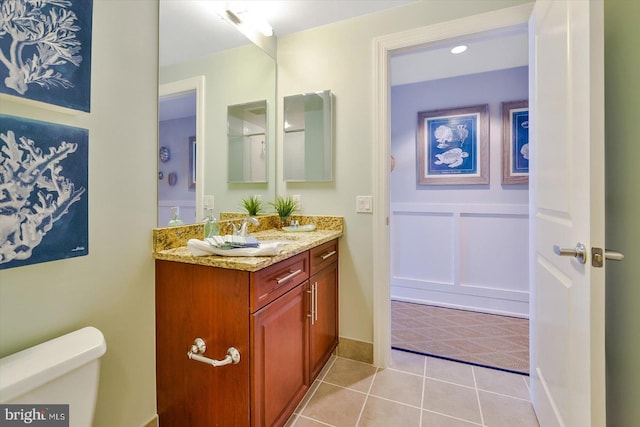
x: 415, y: 391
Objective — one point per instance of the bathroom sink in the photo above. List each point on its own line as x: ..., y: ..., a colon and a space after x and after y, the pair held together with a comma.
x: 267, y: 247
x: 271, y: 235
x: 299, y: 228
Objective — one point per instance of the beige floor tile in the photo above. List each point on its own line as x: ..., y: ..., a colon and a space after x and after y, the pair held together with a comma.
x: 407, y: 362
x: 351, y: 374
x: 451, y: 399
x: 307, y: 422
x: 335, y: 405
x: 306, y: 397
x: 326, y: 367
x: 446, y: 370
x: 398, y: 386
x: 384, y: 413
x: 501, y: 382
x: 431, y: 419
x: 503, y: 411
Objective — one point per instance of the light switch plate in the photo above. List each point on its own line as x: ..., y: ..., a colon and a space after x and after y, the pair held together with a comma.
x: 364, y: 204
x: 207, y: 202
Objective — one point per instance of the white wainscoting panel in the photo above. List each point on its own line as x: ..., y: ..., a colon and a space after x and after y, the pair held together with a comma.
x: 423, y: 247
x: 472, y: 257
x: 493, y: 251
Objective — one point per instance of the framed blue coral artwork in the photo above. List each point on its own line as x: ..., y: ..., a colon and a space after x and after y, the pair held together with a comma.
x: 43, y: 183
x: 515, y: 142
x: 45, y: 51
x: 453, y: 146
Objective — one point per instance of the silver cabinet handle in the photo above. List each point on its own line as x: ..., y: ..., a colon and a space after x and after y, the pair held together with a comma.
x: 288, y: 276
x: 579, y: 252
x: 315, y: 301
x: 313, y: 315
x: 199, y: 346
x: 330, y: 254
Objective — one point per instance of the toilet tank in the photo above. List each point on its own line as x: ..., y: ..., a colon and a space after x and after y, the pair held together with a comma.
x: 64, y: 370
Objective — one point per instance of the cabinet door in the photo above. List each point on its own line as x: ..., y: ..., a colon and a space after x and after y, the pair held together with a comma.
x: 279, y: 358
x: 211, y: 303
x: 323, y: 336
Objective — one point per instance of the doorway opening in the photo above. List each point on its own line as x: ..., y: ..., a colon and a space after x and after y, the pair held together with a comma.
x: 176, y: 136
x: 180, y: 157
x: 459, y: 258
x: 450, y: 224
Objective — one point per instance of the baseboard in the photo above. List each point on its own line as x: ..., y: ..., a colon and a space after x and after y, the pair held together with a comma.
x: 355, y: 350
x: 153, y: 422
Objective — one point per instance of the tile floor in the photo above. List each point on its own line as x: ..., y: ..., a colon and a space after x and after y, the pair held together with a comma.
x: 479, y: 338
x: 416, y: 391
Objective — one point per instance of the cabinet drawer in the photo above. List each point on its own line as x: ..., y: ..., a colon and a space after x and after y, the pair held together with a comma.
x: 323, y: 255
x: 274, y: 281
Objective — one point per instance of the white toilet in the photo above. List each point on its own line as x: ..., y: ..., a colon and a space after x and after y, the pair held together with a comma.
x: 64, y: 370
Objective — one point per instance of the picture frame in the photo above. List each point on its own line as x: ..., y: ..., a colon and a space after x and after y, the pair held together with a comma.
x: 47, y: 51
x: 453, y: 146
x: 515, y: 143
x: 192, y: 162
x: 46, y: 217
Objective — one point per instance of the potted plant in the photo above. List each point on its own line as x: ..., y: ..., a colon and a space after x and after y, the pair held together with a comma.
x: 284, y: 207
x: 253, y: 205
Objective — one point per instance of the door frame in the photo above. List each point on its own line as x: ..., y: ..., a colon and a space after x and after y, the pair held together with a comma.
x: 384, y: 48
x: 189, y: 85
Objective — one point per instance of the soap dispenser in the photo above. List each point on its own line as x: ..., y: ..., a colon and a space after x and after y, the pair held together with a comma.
x: 211, y: 225
x: 175, y: 221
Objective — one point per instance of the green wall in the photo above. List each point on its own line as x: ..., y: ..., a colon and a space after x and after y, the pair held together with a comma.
x: 112, y: 288
x: 622, y: 95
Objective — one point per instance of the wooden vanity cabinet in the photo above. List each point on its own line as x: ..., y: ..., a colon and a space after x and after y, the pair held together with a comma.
x: 194, y: 301
x: 323, y: 288
x: 279, y: 340
x: 282, y: 319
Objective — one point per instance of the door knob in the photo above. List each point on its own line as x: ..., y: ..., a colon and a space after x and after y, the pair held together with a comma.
x: 598, y: 255
x: 613, y: 255
x: 579, y: 252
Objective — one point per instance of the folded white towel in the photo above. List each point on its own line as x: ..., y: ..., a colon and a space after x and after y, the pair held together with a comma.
x: 202, y: 248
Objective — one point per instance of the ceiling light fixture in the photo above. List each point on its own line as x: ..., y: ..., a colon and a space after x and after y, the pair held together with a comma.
x: 242, y: 18
x: 459, y: 49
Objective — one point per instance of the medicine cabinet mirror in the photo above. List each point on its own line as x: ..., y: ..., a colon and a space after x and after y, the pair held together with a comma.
x: 247, y: 135
x: 308, y: 137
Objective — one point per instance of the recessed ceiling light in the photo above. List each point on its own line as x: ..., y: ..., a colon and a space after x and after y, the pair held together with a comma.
x: 459, y: 49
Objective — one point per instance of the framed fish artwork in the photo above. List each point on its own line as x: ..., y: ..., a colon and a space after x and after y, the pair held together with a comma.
x: 515, y: 142
x: 453, y: 146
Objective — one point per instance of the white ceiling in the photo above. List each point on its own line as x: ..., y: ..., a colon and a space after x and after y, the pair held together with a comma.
x: 487, y: 52
x: 191, y: 28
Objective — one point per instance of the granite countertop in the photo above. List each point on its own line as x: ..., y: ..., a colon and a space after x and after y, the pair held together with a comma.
x: 170, y: 244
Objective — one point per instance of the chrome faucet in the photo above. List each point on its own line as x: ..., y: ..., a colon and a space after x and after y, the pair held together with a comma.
x: 242, y: 230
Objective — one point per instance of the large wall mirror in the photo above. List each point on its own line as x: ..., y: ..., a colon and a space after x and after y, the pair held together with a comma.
x: 308, y: 137
x: 196, y: 43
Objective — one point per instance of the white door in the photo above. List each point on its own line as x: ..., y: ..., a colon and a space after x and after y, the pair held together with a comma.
x: 567, y: 207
